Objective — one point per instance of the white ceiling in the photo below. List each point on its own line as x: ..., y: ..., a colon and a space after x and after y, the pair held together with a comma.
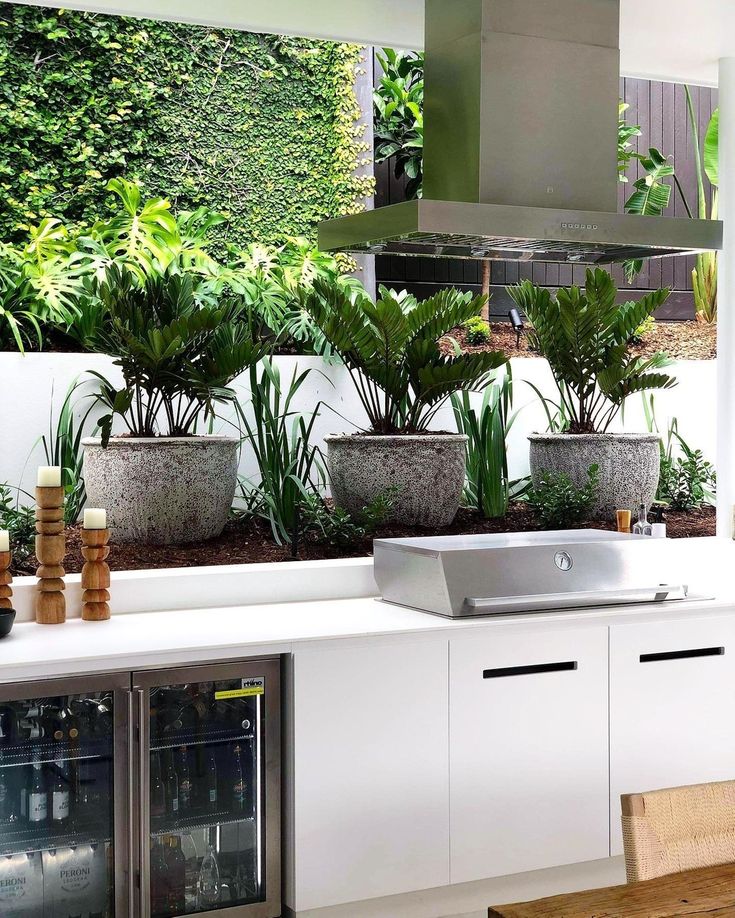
x: 679, y: 40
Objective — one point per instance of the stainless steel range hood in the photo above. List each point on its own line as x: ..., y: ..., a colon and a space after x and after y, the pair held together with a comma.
x: 520, y: 144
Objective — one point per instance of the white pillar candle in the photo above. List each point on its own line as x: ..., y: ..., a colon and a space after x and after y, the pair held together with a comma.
x: 49, y: 476
x: 95, y: 518
x: 4, y: 540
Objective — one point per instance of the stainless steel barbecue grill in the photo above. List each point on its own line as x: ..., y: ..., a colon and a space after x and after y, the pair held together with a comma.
x: 463, y: 576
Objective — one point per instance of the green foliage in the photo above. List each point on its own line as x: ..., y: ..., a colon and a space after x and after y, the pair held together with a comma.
x: 488, y: 487
x: 62, y: 446
x: 390, y: 349
x: 264, y: 128
x: 478, y: 331
x: 20, y: 521
x: 290, y: 470
x: 559, y: 503
x: 687, y: 480
x: 50, y: 279
x: 653, y: 195
x: 626, y: 132
x: 399, y: 117
x: 336, y: 527
x: 643, y: 330
x: 585, y: 337
x: 177, y: 357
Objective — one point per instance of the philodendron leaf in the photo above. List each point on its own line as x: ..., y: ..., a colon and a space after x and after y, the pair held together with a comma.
x: 712, y: 149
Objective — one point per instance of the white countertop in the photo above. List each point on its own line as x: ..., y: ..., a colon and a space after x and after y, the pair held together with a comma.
x: 160, y: 639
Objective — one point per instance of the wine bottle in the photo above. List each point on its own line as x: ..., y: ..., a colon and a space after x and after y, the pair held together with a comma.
x: 239, y: 786
x: 37, y: 796
x: 209, y: 888
x: 212, y: 789
x: 184, y: 781
x: 172, y: 786
x: 159, y: 880
x: 158, y: 788
x: 176, y: 870
x: 60, y: 795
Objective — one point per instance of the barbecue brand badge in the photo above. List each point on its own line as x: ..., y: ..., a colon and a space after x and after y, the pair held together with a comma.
x: 564, y: 561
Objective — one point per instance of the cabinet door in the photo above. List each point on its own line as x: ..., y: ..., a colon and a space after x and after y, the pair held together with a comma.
x: 528, y: 751
x: 64, y: 798
x: 672, y: 693
x: 210, y: 785
x: 370, y: 780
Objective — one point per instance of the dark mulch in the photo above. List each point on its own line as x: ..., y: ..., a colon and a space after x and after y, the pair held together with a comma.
x: 250, y: 541
x: 680, y: 340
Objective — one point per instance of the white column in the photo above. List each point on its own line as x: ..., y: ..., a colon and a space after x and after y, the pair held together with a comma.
x: 726, y: 307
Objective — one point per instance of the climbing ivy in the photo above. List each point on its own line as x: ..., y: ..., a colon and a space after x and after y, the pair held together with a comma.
x: 263, y: 128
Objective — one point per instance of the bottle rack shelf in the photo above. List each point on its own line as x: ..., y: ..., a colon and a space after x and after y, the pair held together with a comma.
x: 49, y: 751
x: 182, y: 826
x: 204, y: 738
x: 25, y: 839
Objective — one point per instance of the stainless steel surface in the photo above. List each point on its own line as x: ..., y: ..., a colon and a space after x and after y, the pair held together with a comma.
x: 269, y: 668
x: 546, y: 602
x: 460, y: 576
x: 520, y: 146
x: 143, y: 809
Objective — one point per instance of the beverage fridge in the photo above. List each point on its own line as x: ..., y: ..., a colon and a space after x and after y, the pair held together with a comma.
x: 154, y: 794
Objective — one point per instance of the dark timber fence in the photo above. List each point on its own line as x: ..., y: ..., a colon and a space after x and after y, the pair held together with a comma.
x: 660, y: 110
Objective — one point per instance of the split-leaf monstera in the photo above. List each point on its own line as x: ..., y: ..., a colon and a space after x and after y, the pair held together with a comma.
x: 391, y: 350
x: 584, y: 334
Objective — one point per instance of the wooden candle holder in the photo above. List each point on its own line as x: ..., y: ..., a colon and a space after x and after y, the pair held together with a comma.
x: 95, y: 575
x: 6, y: 579
x: 50, y: 551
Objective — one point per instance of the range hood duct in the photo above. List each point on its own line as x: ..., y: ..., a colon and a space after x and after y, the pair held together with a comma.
x: 520, y: 161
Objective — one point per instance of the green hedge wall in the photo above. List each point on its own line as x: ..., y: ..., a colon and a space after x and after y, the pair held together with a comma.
x: 261, y: 127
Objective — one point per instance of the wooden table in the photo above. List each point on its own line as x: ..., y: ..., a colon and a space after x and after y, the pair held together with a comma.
x: 707, y: 892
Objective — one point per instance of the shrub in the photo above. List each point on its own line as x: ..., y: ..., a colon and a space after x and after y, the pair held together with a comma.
x: 559, y: 503
x: 390, y: 349
x: 20, y: 521
x: 488, y: 488
x: 585, y: 337
x: 177, y: 357
x: 688, y: 480
x: 477, y: 331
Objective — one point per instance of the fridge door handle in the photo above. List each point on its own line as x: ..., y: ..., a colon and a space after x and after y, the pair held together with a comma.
x: 132, y: 863
x: 145, y: 804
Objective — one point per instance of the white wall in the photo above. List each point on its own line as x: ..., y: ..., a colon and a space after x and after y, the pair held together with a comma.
x: 30, y: 385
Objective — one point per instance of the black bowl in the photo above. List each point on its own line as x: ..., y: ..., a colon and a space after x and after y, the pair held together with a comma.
x: 7, y: 617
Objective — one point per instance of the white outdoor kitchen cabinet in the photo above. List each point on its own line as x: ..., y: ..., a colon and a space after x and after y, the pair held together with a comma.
x: 420, y: 761
x: 371, y: 771
x: 672, y: 697
x: 528, y: 751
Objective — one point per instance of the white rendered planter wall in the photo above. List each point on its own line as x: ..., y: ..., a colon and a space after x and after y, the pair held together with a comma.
x: 30, y: 385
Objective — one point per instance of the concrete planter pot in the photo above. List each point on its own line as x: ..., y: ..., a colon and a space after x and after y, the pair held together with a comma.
x: 629, y: 465
x: 427, y: 471
x: 162, y: 491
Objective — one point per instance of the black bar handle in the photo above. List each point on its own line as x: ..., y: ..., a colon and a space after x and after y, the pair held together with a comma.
x: 682, y: 654
x: 532, y: 670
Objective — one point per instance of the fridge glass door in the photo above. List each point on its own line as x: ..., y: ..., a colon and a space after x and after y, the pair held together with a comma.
x: 56, y: 806
x: 206, y: 796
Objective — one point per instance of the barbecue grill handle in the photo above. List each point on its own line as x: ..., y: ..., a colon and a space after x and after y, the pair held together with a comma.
x: 539, y: 602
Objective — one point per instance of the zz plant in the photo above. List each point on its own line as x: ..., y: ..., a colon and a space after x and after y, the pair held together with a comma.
x: 391, y: 350
x: 177, y: 357
x: 585, y: 336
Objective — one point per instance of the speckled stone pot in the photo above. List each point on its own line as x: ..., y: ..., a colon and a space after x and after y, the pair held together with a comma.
x: 427, y: 471
x: 629, y: 464
x: 165, y: 490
